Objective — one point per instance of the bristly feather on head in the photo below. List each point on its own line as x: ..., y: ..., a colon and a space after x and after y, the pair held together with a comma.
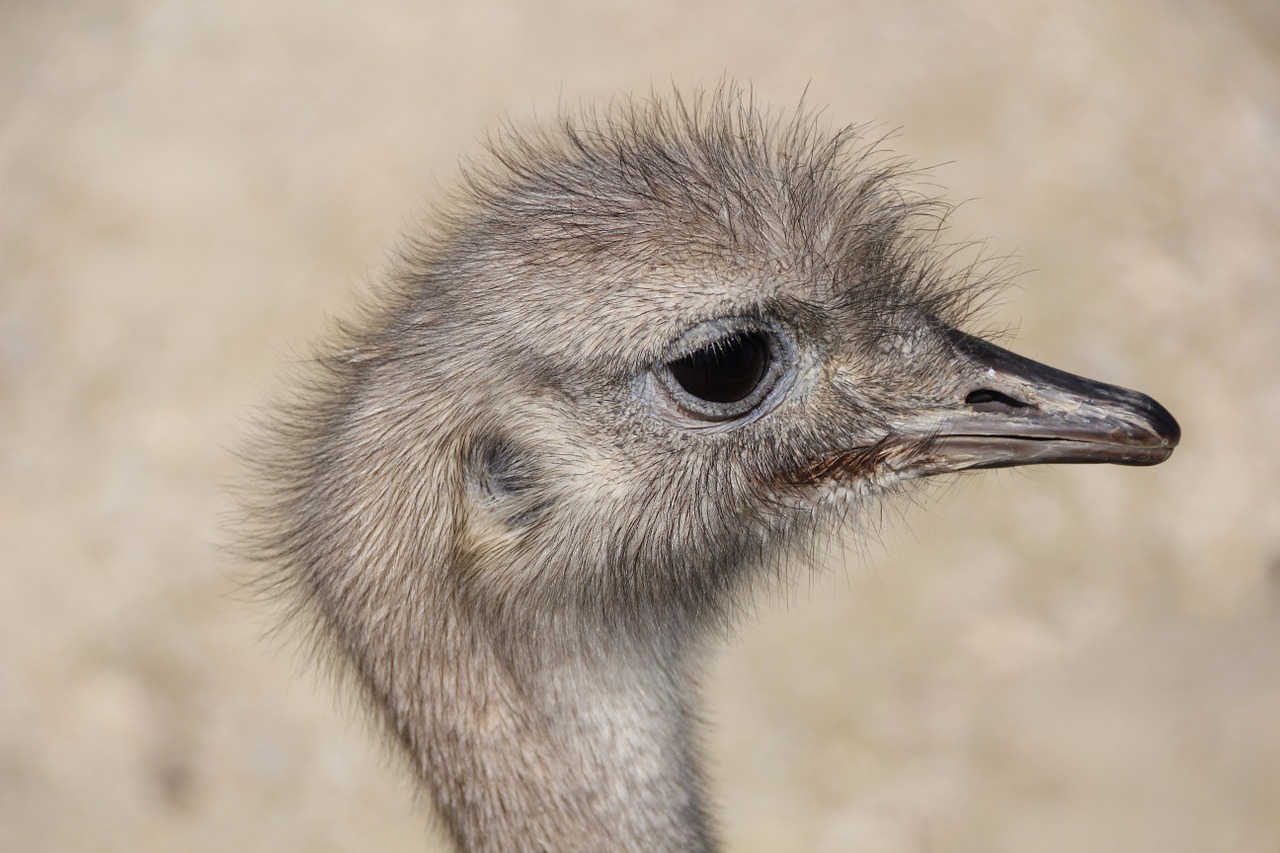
x: 653, y: 204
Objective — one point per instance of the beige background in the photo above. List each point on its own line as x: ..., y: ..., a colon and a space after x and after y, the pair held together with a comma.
x: 1060, y: 660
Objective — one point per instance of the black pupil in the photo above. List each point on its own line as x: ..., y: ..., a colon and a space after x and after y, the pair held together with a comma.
x: 727, y: 371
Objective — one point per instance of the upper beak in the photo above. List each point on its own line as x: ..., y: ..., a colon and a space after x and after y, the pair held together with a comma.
x: 1015, y: 411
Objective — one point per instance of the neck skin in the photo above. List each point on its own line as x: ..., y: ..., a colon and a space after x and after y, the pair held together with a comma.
x: 558, y: 745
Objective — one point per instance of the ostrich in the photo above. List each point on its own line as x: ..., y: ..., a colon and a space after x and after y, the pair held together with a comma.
x: 646, y: 357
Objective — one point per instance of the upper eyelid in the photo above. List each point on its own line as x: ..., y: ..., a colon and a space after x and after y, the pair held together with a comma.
x: 706, y: 334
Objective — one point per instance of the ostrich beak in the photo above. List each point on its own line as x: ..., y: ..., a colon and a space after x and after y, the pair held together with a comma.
x: 1015, y: 411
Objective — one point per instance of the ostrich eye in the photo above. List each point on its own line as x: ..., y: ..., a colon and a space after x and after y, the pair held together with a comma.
x: 727, y: 371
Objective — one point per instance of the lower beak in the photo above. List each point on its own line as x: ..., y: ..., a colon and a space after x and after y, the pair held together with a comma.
x: 1015, y: 411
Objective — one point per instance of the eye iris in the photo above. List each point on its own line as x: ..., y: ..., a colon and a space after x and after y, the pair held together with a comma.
x: 725, y: 372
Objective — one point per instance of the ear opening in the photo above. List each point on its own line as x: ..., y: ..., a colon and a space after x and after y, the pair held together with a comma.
x: 504, y: 479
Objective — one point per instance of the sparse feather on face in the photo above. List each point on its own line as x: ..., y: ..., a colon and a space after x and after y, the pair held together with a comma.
x: 641, y: 356
x: 571, y: 261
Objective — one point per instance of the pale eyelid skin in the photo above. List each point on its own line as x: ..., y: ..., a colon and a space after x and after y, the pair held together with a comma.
x: 663, y: 395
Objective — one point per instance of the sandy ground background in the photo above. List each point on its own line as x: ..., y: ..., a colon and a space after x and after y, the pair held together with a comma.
x: 1061, y: 660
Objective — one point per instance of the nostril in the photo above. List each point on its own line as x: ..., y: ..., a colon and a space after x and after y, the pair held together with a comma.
x: 987, y: 400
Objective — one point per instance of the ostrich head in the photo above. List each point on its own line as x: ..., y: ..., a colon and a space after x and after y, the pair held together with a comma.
x: 643, y: 356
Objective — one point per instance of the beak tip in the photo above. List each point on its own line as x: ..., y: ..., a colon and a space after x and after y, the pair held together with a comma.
x: 1160, y: 422
x: 1167, y: 427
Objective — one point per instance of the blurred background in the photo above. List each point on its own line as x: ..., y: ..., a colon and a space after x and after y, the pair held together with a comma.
x: 1063, y: 659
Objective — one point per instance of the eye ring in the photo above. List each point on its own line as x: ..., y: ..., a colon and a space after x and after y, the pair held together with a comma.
x: 724, y: 370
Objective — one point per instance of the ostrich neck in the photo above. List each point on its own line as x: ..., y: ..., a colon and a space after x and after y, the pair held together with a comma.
x: 555, y: 744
